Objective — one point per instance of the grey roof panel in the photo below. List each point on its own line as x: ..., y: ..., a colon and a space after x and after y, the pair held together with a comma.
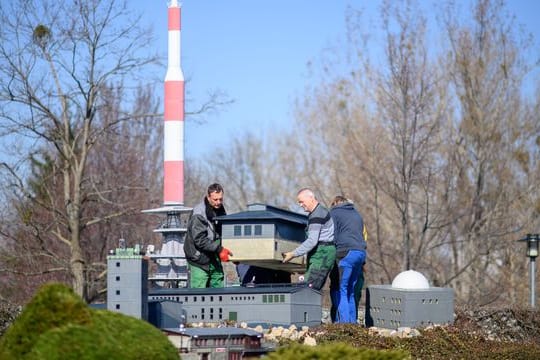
x: 260, y: 211
x: 210, y: 332
x: 257, y: 289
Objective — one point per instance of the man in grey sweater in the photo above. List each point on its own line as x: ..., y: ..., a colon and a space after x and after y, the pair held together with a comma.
x: 319, y: 244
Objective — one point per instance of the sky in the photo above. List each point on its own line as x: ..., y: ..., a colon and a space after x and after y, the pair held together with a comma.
x: 256, y: 51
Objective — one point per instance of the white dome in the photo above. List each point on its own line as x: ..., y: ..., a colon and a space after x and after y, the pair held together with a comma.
x: 410, y: 279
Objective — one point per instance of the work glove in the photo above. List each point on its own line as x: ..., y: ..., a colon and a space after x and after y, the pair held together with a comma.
x: 224, y: 254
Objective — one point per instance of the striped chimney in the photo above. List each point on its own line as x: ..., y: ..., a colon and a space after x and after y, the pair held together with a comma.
x: 173, y: 169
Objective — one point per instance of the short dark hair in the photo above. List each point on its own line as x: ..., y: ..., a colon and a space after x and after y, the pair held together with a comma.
x: 339, y: 199
x: 215, y: 187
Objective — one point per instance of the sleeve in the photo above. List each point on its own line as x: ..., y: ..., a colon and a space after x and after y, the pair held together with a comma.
x: 313, y: 232
x: 199, y: 230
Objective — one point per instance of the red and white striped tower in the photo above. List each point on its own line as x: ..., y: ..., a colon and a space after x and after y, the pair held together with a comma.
x: 173, y: 169
x: 172, y: 265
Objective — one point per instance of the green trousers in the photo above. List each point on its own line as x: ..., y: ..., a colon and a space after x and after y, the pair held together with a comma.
x: 200, y: 278
x: 320, y: 261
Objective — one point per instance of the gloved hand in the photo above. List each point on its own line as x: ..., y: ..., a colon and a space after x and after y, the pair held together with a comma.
x: 224, y: 254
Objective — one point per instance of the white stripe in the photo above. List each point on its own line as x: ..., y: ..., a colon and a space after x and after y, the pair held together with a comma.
x: 174, y: 69
x: 174, y: 141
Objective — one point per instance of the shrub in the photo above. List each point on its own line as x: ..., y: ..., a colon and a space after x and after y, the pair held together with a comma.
x: 57, y: 324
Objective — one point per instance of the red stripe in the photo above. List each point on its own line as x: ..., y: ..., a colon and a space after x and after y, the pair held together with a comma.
x: 173, y: 185
x: 174, y: 100
x: 174, y: 18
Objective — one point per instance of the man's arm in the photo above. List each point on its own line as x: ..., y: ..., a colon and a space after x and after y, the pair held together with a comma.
x: 313, y: 232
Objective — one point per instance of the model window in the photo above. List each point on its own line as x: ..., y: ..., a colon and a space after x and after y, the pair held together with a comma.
x: 276, y: 298
x: 118, y: 264
x: 264, y: 299
x: 247, y: 230
x: 117, y: 292
x: 237, y: 230
x: 282, y: 298
x: 118, y: 278
x: 258, y: 230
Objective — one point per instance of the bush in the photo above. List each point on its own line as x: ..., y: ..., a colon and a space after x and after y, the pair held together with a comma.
x: 57, y: 324
x: 336, y: 351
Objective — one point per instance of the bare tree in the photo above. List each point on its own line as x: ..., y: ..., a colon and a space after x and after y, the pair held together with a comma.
x: 490, y: 173
x: 58, y: 62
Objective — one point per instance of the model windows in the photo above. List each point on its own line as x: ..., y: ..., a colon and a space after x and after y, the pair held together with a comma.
x: 237, y: 230
x: 273, y: 298
x: 247, y: 230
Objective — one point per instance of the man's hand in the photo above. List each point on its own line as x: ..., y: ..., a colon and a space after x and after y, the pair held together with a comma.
x: 224, y: 254
x: 287, y: 256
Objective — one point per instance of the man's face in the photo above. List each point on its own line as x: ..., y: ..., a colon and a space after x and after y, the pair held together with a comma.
x: 215, y: 199
x: 306, y: 201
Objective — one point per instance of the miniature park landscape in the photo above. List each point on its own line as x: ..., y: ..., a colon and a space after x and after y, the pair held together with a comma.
x: 57, y: 324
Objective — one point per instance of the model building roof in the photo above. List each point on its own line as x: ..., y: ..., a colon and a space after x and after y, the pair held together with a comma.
x: 212, y: 332
x: 258, y: 211
x: 257, y: 289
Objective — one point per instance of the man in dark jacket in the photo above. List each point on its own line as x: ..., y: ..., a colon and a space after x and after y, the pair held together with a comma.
x: 350, y: 257
x: 202, y: 245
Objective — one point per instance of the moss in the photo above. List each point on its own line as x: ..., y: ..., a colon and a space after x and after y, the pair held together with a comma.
x: 448, y: 342
x: 53, y: 306
x: 335, y: 351
x: 57, y: 324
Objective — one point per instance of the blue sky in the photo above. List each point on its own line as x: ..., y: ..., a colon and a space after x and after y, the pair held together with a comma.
x: 256, y: 51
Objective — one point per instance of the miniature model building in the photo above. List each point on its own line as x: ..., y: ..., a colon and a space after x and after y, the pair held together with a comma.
x: 408, y: 302
x: 127, y: 282
x: 268, y: 305
x: 217, y: 343
x: 261, y: 234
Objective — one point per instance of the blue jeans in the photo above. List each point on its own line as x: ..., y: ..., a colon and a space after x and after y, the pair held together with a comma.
x: 350, y: 267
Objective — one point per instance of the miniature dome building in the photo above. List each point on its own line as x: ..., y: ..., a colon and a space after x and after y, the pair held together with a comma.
x: 408, y: 302
x: 410, y: 279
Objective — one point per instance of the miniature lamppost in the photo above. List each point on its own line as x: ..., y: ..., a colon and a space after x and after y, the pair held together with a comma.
x: 532, y: 252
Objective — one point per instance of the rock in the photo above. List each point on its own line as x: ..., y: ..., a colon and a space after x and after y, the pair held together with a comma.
x: 309, y: 341
x: 259, y: 328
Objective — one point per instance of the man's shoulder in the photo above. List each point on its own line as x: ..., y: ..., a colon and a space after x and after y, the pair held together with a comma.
x: 200, y: 209
x: 319, y: 215
x: 320, y: 210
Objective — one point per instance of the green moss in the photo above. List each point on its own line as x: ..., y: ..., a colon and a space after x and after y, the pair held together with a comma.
x: 111, y: 336
x: 57, y: 324
x: 335, y: 351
